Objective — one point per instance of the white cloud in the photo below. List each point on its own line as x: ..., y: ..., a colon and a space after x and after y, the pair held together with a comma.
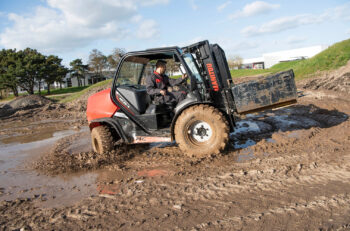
x: 223, y: 6
x: 340, y: 12
x: 254, y: 8
x: 290, y: 22
x: 193, y: 4
x: 147, y: 29
x: 281, y: 24
x: 152, y: 2
x: 66, y: 24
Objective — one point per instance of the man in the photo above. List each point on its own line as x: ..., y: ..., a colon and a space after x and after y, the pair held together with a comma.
x: 161, y: 87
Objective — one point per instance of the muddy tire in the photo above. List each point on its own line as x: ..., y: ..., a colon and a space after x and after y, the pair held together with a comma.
x: 201, y: 131
x: 101, y: 139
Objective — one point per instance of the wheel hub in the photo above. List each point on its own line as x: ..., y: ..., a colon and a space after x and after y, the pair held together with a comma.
x: 200, y: 131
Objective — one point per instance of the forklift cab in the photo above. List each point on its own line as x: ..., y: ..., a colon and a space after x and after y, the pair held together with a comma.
x: 129, y: 88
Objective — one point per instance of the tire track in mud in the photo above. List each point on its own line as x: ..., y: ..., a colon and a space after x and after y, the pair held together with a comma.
x: 299, y: 181
x: 296, y: 173
x: 299, y: 210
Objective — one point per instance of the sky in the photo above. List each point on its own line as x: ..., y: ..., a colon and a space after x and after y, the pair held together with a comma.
x: 70, y: 29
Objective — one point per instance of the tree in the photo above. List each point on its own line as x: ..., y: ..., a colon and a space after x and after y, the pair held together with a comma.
x: 78, y: 70
x: 61, y: 73
x: 29, y: 67
x: 114, y: 58
x: 52, y: 70
x: 172, y: 66
x: 97, y: 63
x: 8, y: 73
x: 235, y: 62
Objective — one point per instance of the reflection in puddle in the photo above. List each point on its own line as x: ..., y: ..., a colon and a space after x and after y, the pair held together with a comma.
x: 246, y: 126
x: 23, y: 139
x: 240, y: 144
x: 18, y: 180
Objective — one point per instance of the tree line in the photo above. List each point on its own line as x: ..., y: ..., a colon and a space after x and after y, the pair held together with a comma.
x: 28, y: 67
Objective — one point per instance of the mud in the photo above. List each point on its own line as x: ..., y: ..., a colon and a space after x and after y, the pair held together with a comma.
x: 285, y: 169
x: 335, y: 80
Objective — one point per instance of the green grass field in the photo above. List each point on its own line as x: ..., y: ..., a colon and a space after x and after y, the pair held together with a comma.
x: 332, y: 58
x: 76, y: 95
x: 53, y: 92
x: 63, y: 90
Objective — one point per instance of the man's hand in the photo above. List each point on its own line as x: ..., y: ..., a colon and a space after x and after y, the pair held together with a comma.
x: 163, y: 92
x: 184, y: 76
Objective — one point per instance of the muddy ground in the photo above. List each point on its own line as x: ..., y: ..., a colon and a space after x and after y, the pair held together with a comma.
x: 287, y: 169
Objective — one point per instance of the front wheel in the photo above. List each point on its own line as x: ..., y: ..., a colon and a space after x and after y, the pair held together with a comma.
x: 102, y: 140
x: 201, y: 130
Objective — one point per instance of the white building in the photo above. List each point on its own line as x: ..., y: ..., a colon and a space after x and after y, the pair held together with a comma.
x: 269, y: 59
x: 88, y: 79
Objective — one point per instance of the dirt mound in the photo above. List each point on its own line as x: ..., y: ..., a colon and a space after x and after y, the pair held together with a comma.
x: 29, y: 101
x: 24, y: 103
x: 80, y: 104
x: 337, y: 80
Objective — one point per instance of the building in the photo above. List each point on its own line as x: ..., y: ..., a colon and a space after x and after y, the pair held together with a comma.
x: 69, y: 81
x: 269, y: 59
x: 89, y: 78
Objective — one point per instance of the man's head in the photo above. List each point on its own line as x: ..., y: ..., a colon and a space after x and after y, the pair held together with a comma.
x: 161, y: 66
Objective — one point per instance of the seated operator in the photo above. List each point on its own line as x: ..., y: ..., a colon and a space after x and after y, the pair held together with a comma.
x: 160, y: 86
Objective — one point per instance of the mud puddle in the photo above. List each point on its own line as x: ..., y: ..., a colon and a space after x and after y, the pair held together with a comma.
x: 18, y: 179
x: 275, y: 126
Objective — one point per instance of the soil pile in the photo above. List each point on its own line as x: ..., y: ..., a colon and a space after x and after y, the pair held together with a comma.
x: 24, y: 103
x: 30, y: 101
x: 337, y: 80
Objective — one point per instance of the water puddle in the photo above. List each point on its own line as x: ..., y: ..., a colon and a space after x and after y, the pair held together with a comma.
x: 19, y: 180
x: 241, y: 144
x: 49, y: 132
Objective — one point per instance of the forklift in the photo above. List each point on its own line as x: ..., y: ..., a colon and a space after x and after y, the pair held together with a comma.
x: 201, y: 123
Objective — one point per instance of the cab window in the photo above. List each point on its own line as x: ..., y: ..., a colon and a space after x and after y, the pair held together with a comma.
x: 129, y: 73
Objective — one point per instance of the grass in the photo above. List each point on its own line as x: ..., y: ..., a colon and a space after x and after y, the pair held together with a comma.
x: 332, y: 58
x: 63, y: 90
x: 52, y: 92
x: 76, y: 95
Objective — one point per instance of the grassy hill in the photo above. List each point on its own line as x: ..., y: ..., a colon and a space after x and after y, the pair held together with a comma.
x: 332, y: 58
x: 86, y: 90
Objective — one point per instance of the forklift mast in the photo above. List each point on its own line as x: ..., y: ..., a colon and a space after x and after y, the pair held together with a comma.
x: 216, y: 75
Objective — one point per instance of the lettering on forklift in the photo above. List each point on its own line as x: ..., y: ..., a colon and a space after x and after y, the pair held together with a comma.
x: 123, y: 101
x: 212, y: 76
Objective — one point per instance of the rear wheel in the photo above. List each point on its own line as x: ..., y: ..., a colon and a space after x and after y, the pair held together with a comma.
x: 102, y: 140
x: 201, y: 130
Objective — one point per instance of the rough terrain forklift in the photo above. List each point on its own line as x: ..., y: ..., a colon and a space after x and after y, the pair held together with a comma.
x: 202, y: 122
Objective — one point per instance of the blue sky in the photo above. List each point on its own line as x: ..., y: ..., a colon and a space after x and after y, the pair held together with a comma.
x: 71, y: 29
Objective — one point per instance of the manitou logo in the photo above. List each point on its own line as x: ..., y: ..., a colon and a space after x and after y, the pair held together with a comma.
x: 213, y: 80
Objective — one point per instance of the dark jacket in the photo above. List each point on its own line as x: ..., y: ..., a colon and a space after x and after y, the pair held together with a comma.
x: 157, y: 82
